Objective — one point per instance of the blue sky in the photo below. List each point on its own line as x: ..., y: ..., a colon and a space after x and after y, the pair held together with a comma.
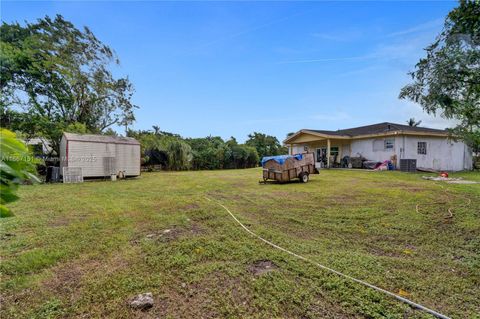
x: 231, y: 68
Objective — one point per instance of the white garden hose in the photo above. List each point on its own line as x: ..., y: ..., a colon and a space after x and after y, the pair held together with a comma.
x: 391, y: 294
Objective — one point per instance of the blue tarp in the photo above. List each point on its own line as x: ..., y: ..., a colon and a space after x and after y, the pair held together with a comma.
x: 280, y: 159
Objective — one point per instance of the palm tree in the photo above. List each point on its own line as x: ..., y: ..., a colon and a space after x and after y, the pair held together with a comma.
x: 156, y: 129
x: 413, y: 122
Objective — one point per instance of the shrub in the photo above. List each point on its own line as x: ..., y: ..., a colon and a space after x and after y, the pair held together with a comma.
x: 17, y: 166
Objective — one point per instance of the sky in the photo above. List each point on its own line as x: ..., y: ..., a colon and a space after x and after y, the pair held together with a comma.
x: 232, y: 68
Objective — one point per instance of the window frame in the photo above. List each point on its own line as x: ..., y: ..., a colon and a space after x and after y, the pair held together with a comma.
x: 388, y: 141
x: 421, y: 150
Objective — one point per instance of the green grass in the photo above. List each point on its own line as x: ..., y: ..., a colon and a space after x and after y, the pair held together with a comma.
x: 83, y: 250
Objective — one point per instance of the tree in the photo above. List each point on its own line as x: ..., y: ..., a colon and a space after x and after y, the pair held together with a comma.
x: 55, y: 75
x: 266, y: 145
x: 208, y: 152
x: 447, y: 80
x: 17, y: 165
x: 412, y: 122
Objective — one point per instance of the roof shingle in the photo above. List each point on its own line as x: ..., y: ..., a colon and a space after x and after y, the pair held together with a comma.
x: 379, y: 128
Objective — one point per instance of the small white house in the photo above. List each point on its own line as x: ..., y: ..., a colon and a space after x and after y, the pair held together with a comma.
x: 100, y: 155
x: 431, y: 148
x: 40, y: 146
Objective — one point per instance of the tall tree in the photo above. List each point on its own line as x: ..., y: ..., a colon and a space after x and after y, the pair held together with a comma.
x: 57, y: 75
x: 447, y: 80
x: 265, y: 145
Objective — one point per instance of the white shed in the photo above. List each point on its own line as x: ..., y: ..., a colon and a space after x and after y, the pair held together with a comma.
x: 100, y: 155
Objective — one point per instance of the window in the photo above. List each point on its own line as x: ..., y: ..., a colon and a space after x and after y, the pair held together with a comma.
x: 383, y: 144
x: 389, y: 144
x: 422, y: 148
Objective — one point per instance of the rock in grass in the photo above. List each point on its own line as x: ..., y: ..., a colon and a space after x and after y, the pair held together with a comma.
x: 142, y: 301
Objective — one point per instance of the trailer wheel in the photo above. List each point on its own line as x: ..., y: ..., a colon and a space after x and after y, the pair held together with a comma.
x: 303, y: 177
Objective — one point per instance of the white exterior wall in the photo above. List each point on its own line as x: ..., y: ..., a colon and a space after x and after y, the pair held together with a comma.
x: 128, y: 159
x: 442, y: 153
x: 365, y: 148
x: 297, y: 149
x: 90, y: 157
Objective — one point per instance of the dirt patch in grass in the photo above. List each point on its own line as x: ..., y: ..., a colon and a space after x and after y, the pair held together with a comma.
x: 191, y: 206
x: 261, y: 267
x: 377, y: 251
x: 207, y: 298
x: 174, y: 233
x: 67, y: 278
x: 60, y: 222
x: 322, y: 308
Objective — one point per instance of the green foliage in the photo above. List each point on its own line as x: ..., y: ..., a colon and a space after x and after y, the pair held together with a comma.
x: 76, y: 127
x: 17, y: 165
x: 165, y: 149
x: 60, y: 76
x: 447, y: 80
x: 266, y: 145
x: 173, y: 152
x: 179, y: 154
x: 208, y: 152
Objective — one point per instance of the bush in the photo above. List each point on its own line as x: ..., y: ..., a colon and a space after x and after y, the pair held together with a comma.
x: 17, y: 166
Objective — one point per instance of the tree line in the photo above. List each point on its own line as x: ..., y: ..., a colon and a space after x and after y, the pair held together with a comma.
x: 170, y: 151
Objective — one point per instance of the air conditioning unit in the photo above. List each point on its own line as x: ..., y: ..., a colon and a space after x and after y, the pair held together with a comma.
x: 408, y: 165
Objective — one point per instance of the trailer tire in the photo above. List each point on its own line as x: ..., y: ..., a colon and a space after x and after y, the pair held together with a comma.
x: 303, y: 177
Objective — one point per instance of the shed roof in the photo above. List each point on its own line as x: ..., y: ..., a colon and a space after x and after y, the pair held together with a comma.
x: 100, y: 138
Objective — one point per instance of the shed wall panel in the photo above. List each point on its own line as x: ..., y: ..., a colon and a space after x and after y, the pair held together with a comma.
x: 63, y: 154
x: 128, y: 159
x: 90, y: 156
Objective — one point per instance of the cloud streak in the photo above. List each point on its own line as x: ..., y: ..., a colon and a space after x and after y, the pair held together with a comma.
x: 418, y: 28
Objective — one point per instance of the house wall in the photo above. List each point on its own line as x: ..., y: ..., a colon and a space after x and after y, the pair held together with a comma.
x: 442, y: 153
x: 365, y: 148
x: 46, y: 146
x: 343, y: 147
x: 90, y: 156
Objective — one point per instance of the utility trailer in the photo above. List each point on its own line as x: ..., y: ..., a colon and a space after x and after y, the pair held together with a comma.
x: 284, y: 168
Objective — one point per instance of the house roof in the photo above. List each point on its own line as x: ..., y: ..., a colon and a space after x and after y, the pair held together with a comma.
x: 386, y: 128
x: 100, y: 138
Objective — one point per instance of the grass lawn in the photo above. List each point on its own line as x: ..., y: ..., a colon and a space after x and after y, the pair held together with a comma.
x: 83, y: 250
